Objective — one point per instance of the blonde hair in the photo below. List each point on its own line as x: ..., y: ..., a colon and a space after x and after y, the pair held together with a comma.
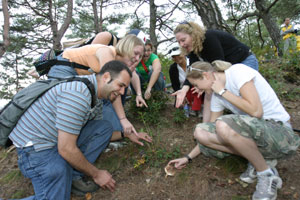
x: 196, y: 32
x: 221, y: 65
x: 126, y: 45
x: 216, y: 66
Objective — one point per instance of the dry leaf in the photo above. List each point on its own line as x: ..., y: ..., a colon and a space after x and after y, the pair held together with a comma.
x: 88, y: 196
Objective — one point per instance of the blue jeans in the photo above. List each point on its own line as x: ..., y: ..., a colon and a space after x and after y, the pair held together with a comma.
x: 51, y: 174
x: 109, y: 114
x: 251, y: 61
x: 61, y: 71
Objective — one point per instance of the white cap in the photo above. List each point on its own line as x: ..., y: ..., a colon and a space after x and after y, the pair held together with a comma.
x: 174, y: 50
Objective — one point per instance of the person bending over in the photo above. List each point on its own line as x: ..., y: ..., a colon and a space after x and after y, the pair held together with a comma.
x: 259, y: 130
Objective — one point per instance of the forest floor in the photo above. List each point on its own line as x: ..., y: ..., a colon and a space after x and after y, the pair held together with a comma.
x: 139, y: 171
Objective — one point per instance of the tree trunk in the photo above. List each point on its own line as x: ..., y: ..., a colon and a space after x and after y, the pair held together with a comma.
x: 210, y: 14
x: 6, y: 40
x: 153, y: 14
x: 271, y: 26
x: 59, y: 33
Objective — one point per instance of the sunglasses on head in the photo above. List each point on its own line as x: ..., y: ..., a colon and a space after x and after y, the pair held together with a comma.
x: 189, y: 69
x: 173, y: 49
x: 186, y: 22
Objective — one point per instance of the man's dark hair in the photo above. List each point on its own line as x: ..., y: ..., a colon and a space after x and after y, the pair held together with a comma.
x: 114, y: 67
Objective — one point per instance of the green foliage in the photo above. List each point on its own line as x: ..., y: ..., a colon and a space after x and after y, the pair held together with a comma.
x: 11, y: 176
x: 152, y: 114
x: 18, y: 194
x: 179, y: 116
x: 232, y: 164
x: 157, y: 155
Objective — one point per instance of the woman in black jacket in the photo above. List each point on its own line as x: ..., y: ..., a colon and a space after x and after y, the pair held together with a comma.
x: 209, y: 45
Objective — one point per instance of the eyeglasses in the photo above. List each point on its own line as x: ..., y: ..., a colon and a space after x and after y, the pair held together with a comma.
x: 174, y: 49
x: 186, y: 22
x: 189, y: 69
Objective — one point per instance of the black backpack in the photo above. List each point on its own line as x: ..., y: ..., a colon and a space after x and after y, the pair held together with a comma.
x: 48, y: 59
x: 20, y: 102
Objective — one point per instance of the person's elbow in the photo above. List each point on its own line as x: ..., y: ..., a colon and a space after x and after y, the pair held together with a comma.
x: 65, y: 150
x: 258, y: 113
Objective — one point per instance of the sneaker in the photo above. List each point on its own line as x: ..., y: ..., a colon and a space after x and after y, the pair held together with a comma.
x: 84, y: 185
x: 267, y: 185
x: 250, y: 175
x: 76, y: 192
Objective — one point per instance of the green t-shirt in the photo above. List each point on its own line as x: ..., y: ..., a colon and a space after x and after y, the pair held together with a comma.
x: 140, y: 69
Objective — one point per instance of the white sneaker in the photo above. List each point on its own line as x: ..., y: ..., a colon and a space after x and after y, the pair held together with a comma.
x: 250, y: 175
x: 267, y: 185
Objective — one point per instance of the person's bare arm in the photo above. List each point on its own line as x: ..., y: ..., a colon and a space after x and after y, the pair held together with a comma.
x: 154, y: 77
x: 249, y: 101
x: 102, y: 38
x: 135, y: 80
x: 104, y: 55
x: 68, y: 149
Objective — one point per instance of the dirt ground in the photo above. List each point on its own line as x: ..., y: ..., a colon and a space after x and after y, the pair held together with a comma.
x: 204, y: 178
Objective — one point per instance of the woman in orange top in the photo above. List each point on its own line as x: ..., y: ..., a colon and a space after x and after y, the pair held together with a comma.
x: 129, y: 50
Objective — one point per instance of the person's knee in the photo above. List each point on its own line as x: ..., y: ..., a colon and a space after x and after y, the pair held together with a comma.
x: 200, y: 134
x: 62, y: 169
x: 104, y: 127
x: 224, y: 131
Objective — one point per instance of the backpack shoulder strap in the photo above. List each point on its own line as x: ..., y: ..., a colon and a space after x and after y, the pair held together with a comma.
x: 71, y: 64
x: 90, y: 86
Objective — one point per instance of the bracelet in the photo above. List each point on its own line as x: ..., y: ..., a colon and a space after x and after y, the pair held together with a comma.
x: 122, y: 134
x: 189, y: 158
x: 139, y: 95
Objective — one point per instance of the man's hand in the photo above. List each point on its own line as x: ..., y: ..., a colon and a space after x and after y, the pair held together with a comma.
x: 128, y: 127
x: 140, y: 102
x: 147, y: 94
x: 104, y: 179
x: 139, y: 136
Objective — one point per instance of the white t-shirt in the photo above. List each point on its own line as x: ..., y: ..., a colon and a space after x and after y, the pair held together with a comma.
x: 182, y: 75
x: 239, y: 74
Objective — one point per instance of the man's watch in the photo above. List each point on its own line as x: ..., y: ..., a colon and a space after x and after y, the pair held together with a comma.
x: 222, y: 91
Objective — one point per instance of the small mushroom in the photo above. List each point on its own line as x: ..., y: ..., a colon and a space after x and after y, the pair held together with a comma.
x: 170, y: 170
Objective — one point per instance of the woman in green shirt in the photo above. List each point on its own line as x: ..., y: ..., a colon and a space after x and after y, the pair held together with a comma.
x: 149, y: 71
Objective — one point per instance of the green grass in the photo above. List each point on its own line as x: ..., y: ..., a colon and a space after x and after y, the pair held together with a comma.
x: 11, y: 176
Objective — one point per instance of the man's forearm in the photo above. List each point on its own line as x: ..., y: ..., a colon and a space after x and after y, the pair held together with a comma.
x: 77, y: 160
x: 118, y: 107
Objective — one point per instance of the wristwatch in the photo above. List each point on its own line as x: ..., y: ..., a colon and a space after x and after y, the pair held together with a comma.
x: 222, y: 91
x: 189, y: 158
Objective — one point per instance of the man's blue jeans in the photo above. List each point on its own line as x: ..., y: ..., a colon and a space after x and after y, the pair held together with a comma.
x: 52, y: 175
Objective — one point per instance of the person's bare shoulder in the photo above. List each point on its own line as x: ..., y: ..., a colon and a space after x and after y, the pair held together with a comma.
x: 102, y: 38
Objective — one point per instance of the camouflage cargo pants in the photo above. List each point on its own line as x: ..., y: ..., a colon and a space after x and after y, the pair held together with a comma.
x: 273, y: 139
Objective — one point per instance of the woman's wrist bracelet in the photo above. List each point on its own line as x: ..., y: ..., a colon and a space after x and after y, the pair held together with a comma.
x: 122, y: 118
x: 139, y: 95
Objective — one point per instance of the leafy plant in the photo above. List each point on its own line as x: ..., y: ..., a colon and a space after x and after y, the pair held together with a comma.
x: 179, y: 117
x: 152, y: 114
